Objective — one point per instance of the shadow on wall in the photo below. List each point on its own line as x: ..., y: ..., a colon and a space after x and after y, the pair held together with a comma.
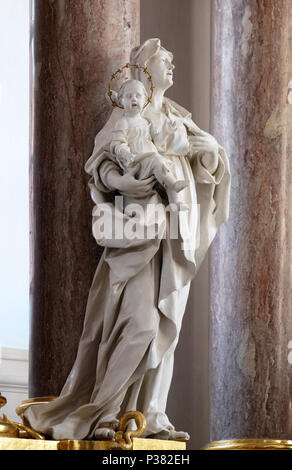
x: 184, y: 29
x: 170, y: 22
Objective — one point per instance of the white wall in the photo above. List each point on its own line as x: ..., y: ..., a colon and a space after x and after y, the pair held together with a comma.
x: 184, y: 27
x: 13, y: 379
x: 14, y: 131
x: 14, y: 254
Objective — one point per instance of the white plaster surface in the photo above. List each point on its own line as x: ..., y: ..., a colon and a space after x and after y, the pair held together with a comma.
x: 13, y: 379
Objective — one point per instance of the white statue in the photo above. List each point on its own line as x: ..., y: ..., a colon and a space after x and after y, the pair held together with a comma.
x: 139, y: 293
x: 132, y: 140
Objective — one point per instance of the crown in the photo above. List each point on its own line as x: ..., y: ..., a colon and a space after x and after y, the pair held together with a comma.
x: 118, y: 73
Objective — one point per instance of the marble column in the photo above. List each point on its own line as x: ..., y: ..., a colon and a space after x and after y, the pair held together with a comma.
x: 251, y: 259
x: 75, y: 46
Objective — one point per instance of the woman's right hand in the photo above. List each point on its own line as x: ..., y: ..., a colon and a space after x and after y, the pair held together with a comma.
x: 128, y: 185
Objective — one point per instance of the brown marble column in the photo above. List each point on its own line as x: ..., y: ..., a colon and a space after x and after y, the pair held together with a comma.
x: 75, y: 46
x: 251, y: 259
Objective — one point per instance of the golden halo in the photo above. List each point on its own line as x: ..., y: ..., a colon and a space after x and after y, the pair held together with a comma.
x: 116, y: 74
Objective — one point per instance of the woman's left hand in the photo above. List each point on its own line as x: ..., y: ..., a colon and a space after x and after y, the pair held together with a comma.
x: 207, y: 146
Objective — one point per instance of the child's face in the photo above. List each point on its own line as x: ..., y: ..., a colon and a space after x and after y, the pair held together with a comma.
x: 133, y: 98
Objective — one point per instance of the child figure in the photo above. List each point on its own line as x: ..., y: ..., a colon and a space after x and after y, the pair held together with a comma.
x: 132, y: 143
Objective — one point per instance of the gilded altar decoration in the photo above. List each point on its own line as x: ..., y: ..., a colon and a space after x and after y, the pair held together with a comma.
x: 250, y: 444
x: 32, y: 401
x: 18, y: 436
x: 123, y: 438
x: 11, y: 429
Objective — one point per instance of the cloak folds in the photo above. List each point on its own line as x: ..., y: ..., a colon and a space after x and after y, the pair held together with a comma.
x: 137, y: 299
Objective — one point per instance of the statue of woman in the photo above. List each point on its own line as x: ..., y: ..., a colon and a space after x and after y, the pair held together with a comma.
x: 139, y: 293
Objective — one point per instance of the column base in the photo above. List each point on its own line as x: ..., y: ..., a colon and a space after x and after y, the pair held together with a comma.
x: 249, y: 444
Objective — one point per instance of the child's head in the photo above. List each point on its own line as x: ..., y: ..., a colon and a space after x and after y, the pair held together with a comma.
x: 132, y: 96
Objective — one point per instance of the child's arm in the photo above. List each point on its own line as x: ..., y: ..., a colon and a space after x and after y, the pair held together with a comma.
x: 119, y: 146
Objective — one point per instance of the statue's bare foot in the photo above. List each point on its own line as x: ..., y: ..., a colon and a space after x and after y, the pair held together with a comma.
x: 178, y: 436
x: 105, y: 432
x: 171, y: 435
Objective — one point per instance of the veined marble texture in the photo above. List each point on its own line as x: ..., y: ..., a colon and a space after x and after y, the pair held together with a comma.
x: 251, y: 286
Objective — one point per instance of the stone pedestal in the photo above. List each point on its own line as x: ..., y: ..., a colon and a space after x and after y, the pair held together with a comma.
x: 75, y: 46
x: 251, y: 276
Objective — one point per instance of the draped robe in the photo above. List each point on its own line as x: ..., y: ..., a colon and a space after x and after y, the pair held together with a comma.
x: 138, y: 295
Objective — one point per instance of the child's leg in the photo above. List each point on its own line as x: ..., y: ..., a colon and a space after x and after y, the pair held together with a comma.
x: 165, y: 176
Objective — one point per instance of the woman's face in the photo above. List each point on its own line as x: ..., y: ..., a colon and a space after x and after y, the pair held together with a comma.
x: 161, y: 68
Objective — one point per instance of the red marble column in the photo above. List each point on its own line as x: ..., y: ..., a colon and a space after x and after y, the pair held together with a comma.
x: 75, y: 46
x: 251, y: 276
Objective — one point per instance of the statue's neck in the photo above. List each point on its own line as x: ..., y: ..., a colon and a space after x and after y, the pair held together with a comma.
x: 157, y: 99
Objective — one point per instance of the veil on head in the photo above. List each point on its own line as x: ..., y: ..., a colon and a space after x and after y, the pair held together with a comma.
x: 143, y: 53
